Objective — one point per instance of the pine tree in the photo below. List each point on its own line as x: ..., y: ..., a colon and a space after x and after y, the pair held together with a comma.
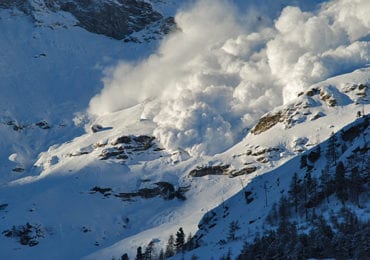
x: 139, y: 254
x: 180, y: 240
x: 332, y: 154
x: 314, y: 155
x: 303, y: 161
x: 189, y: 242
x: 124, y: 257
x: 228, y: 255
x: 340, y: 182
x: 355, y: 185
x: 149, y: 251
x: 170, y: 248
x: 284, y: 208
x: 326, y: 183
x: 295, y: 190
x: 310, y: 184
x: 233, y: 227
x: 161, y: 255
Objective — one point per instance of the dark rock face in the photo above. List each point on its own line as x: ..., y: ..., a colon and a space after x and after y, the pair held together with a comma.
x: 160, y: 189
x: 266, y: 122
x: 117, y: 19
x: 22, y: 5
x: 209, y: 170
x: 25, y: 234
x: 244, y: 171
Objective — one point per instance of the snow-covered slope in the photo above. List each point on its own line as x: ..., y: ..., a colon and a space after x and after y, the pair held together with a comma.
x: 257, y: 208
x: 49, y: 70
x: 99, y: 188
x: 99, y: 157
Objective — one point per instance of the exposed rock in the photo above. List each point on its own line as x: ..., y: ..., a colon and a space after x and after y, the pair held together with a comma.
x: 112, y: 152
x: 82, y: 151
x: 85, y: 229
x: 208, y: 220
x: 362, y: 86
x: 349, y: 134
x: 105, y: 191
x: 114, y: 19
x: 300, y: 141
x: 209, y: 170
x: 328, y: 99
x: 168, y: 25
x: 167, y: 190
x: 262, y: 159
x: 26, y: 234
x: 16, y: 126
x: 18, y: 169
x: 22, y: 5
x: 248, y: 198
x: 96, y: 128
x: 122, y: 140
x: 244, y: 171
x: 259, y: 152
x: 145, y: 141
x: 266, y: 122
x: 43, y: 125
x: 317, y: 115
x: 312, y: 92
x: 100, y: 144
x: 3, y: 206
x: 163, y: 189
x: 117, y: 19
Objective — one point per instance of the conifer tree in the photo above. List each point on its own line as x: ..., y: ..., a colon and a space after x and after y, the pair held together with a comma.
x: 161, y: 255
x: 332, y: 153
x: 340, y: 182
x: 189, y: 242
x: 355, y: 185
x: 295, y: 190
x: 139, y: 254
x: 149, y: 251
x: 170, y: 248
x: 180, y: 240
x: 233, y: 227
x: 326, y: 183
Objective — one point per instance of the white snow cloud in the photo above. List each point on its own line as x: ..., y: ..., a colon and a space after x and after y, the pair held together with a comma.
x: 218, y: 74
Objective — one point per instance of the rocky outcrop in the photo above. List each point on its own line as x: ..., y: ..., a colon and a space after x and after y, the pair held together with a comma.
x: 302, y: 110
x: 27, y: 235
x: 161, y: 189
x: 117, y: 19
x: 22, y: 5
x: 114, y: 19
x: 244, y: 171
x: 266, y: 122
x: 209, y: 170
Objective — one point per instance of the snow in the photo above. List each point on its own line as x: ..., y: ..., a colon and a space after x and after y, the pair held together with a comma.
x: 250, y: 68
x: 49, y: 72
x: 198, y: 94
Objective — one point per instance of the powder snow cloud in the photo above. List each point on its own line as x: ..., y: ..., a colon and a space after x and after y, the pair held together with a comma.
x: 213, y: 78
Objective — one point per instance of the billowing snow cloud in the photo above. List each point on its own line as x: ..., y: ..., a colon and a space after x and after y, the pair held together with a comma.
x: 217, y: 75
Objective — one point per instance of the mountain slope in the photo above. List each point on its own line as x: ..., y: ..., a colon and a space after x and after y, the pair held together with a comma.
x: 258, y: 209
x: 109, y: 145
x: 50, y: 69
x: 118, y: 186
x: 305, y: 122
